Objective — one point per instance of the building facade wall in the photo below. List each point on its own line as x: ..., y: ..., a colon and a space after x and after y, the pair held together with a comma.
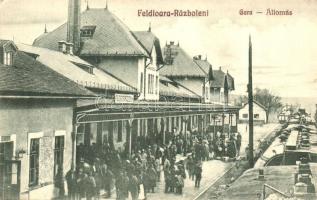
x: 259, y: 114
x: 125, y: 68
x: 152, y: 90
x: 215, y: 94
x: 134, y: 71
x: 45, y: 119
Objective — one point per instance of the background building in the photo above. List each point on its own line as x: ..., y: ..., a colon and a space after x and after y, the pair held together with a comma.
x: 259, y: 113
x: 108, y: 44
x: 197, y: 75
x: 36, y: 121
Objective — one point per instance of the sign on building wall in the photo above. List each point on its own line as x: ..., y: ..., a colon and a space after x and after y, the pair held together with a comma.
x: 46, y: 160
x: 123, y: 98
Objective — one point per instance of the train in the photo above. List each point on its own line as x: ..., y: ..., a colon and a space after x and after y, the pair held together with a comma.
x: 286, y: 170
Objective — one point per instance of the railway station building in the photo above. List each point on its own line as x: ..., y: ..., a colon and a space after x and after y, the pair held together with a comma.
x: 106, y: 85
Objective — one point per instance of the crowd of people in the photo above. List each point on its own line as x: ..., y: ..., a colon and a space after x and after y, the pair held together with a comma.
x: 138, y: 173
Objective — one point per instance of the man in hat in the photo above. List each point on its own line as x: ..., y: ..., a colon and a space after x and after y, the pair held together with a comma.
x: 190, y: 166
x: 198, y: 172
x: 108, y: 181
x: 133, y: 186
x: 71, y: 183
x: 90, y: 186
x: 238, y: 143
x: 179, y: 183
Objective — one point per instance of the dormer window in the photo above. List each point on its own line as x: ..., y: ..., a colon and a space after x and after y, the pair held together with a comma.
x: 86, y: 68
x: 8, y: 58
x: 87, y: 31
x: 8, y: 50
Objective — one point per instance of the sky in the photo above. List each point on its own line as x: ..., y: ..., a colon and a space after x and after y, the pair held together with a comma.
x: 284, y: 47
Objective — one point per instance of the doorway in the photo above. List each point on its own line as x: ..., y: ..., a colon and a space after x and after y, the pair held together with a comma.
x: 9, y: 172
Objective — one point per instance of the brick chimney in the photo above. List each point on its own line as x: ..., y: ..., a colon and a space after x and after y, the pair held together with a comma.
x: 73, y: 24
x: 69, y: 48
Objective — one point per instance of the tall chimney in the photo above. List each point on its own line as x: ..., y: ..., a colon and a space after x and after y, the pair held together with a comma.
x: 73, y: 24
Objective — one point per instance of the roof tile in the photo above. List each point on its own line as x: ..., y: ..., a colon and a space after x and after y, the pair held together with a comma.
x: 182, y: 64
x: 29, y: 77
x: 111, y: 36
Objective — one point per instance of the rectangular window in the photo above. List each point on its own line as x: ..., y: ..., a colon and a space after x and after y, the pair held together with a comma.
x: 156, y: 87
x: 141, y: 82
x: 245, y: 116
x: 153, y: 84
x: 149, y: 84
x: 7, y: 58
x: 256, y: 116
x: 115, y: 128
x: 80, y: 136
x: 87, y: 31
x: 119, y: 131
x: 58, y: 155
x: 124, y: 129
x: 34, y: 162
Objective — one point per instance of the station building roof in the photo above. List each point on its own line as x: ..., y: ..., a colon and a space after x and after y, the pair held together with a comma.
x: 111, y: 37
x: 179, y: 64
x: 220, y: 78
x: 28, y: 77
x: 172, y: 88
x: 149, y: 41
x: 76, y: 69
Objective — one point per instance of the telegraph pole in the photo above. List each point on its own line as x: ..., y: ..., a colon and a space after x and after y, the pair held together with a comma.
x: 250, y: 95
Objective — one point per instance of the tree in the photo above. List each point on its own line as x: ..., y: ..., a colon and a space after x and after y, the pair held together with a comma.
x: 270, y: 101
x: 240, y: 100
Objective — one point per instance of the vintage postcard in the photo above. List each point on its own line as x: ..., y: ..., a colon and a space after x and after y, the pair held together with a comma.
x: 158, y: 99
